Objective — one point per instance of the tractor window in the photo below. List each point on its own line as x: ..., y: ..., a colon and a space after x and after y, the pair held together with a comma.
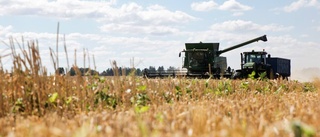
x: 254, y: 58
x: 264, y: 56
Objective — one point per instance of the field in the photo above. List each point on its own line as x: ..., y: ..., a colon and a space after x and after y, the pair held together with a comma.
x: 36, y: 104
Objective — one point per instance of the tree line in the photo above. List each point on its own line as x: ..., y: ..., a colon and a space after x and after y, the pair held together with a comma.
x: 121, y: 71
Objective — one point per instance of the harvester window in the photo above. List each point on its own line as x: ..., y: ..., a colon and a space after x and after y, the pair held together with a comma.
x: 196, y: 58
x: 198, y: 55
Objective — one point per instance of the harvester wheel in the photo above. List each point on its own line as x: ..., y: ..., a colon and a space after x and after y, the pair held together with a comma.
x: 236, y: 75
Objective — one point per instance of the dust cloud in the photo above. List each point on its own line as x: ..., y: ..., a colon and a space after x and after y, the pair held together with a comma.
x: 306, y: 74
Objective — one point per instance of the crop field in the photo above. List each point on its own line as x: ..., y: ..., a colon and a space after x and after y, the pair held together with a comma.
x: 33, y: 103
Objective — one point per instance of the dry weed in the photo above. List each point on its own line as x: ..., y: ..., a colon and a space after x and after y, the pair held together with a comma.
x: 34, y: 103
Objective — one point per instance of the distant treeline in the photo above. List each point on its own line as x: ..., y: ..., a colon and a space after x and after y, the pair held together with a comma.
x: 112, y: 72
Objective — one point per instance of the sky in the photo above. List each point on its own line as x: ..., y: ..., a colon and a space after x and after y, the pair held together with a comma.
x: 153, y: 32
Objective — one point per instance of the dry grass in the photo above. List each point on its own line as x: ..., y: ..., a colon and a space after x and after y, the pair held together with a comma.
x: 34, y: 104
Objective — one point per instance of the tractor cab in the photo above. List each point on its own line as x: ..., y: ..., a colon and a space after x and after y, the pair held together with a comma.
x: 254, y: 61
x: 250, y: 59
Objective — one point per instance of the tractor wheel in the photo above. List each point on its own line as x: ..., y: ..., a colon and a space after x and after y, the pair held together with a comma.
x: 271, y: 74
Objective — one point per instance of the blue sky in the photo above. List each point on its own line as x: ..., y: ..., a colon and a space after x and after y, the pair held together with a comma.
x: 154, y: 32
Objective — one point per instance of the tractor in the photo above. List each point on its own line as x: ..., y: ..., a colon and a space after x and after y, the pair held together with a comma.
x: 257, y: 64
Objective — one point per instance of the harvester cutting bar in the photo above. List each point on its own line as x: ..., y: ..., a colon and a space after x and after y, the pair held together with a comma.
x: 163, y: 74
x: 181, y: 73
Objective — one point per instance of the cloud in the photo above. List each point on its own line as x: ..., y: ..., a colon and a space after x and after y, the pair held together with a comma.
x: 160, y: 15
x: 5, y: 30
x: 155, y: 20
x: 233, y: 5
x: 127, y: 18
x: 230, y: 5
x: 204, y: 5
x: 133, y: 29
x: 133, y: 14
x: 241, y: 25
x: 237, y: 14
x: 58, y: 8
x: 294, y: 6
x: 99, y: 10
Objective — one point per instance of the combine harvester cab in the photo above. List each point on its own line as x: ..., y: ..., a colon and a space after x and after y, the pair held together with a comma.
x: 202, y: 60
